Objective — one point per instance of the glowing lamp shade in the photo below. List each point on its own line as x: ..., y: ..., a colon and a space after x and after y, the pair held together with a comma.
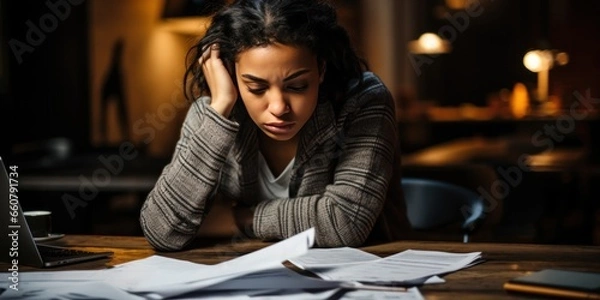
x: 429, y: 43
x: 538, y: 60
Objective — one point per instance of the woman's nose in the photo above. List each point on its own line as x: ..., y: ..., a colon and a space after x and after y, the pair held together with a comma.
x: 278, y: 106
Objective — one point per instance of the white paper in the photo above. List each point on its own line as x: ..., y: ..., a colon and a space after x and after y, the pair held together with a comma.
x: 322, y: 262
x: 410, y: 294
x: 169, y: 284
x: 122, y: 276
x: 62, y: 276
x: 162, y: 277
x: 131, y: 274
x: 224, y: 296
x: 263, y: 295
x: 289, y: 248
x: 403, y: 267
x: 279, y: 277
x: 328, y: 257
x: 67, y: 290
x: 258, y: 275
x: 278, y: 280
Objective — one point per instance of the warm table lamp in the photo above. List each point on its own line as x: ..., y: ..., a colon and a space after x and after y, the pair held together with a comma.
x: 424, y: 50
x: 541, y: 61
x: 429, y: 43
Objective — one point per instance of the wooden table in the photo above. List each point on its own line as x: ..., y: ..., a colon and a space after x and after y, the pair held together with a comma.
x: 503, y: 261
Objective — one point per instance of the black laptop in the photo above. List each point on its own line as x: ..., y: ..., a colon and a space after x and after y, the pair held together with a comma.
x: 17, y: 243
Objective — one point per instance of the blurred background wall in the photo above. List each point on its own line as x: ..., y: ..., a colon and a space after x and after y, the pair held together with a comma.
x: 151, y: 68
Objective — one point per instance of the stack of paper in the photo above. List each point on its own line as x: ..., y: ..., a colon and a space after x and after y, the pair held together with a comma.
x: 259, y: 274
x: 410, y: 267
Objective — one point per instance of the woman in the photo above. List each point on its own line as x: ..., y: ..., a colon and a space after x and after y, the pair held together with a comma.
x: 286, y: 123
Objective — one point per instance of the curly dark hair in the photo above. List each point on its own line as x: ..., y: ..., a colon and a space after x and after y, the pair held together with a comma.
x: 245, y: 24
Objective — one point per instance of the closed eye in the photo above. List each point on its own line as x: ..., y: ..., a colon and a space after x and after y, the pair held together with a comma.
x: 256, y: 91
x: 298, y: 88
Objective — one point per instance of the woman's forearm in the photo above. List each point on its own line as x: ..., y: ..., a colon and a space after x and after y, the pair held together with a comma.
x: 176, y: 206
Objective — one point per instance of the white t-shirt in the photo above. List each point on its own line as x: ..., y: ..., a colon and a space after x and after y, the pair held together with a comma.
x: 269, y: 186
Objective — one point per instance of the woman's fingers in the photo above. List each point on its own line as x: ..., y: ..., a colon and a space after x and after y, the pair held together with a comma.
x: 214, y: 50
x: 205, y: 56
x: 211, y: 51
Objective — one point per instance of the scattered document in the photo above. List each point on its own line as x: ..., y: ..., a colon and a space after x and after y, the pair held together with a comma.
x: 171, y: 284
x: 409, y: 267
x: 160, y: 277
x: 349, y: 273
x: 410, y: 294
x: 332, y: 257
x: 340, y: 294
x: 279, y: 276
x: 67, y: 290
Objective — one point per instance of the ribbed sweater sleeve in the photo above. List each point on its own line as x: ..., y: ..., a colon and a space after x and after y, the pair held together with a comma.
x: 176, y: 206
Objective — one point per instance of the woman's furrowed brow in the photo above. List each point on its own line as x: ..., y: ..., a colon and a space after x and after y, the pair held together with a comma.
x: 296, y: 74
x: 254, y: 78
x: 261, y: 80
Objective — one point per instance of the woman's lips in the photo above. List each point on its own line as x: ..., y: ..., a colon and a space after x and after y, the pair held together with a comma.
x: 279, y: 128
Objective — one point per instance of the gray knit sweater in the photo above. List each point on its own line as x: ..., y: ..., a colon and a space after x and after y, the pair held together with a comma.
x: 342, y: 171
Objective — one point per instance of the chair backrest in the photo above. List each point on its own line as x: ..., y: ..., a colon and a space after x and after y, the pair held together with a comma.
x: 433, y: 203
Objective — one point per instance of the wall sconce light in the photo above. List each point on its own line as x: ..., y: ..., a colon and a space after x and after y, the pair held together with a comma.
x: 429, y: 43
x: 189, y: 16
x: 540, y: 62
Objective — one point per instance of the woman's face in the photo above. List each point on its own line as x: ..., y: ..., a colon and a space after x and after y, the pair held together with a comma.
x: 279, y: 86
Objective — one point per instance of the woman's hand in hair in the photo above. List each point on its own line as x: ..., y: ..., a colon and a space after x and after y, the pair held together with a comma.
x: 223, y: 91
